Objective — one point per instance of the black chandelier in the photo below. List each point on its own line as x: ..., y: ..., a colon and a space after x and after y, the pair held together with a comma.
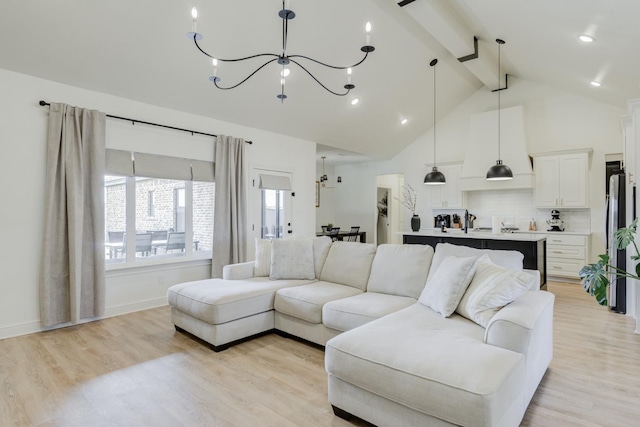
x: 283, y: 59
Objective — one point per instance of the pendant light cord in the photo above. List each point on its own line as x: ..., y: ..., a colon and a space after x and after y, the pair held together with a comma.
x: 434, y: 115
x: 499, y: 90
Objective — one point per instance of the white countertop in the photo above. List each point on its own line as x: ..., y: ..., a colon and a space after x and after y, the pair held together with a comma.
x: 456, y: 232
x: 571, y: 233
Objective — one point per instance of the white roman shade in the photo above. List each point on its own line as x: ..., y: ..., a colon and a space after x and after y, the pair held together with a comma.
x: 202, y: 171
x: 275, y: 182
x: 119, y: 162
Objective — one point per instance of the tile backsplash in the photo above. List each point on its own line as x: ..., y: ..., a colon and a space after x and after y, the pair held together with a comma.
x: 517, y: 206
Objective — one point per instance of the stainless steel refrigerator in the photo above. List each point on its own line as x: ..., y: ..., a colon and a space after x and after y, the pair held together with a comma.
x: 617, y: 257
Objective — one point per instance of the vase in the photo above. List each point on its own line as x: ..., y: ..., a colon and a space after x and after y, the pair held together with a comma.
x: 415, y: 222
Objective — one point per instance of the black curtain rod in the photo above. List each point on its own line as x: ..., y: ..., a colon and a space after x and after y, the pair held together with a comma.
x: 192, y: 132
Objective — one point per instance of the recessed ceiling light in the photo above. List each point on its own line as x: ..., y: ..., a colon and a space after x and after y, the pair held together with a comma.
x: 403, y: 121
x: 595, y: 83
x: 585, y: 38
x: 354, y: 101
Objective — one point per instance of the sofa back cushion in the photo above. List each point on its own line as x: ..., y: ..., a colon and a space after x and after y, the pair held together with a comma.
x: 292, y: 259
x: 321, y: 247
x: 400, y: 269
x: 511, y: 260
x: 262, y: 263
x: 349, y: 263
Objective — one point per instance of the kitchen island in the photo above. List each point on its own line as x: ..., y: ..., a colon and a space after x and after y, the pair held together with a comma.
x: 532, y: 246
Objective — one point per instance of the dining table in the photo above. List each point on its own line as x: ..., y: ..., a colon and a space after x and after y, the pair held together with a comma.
x: 362, y: 235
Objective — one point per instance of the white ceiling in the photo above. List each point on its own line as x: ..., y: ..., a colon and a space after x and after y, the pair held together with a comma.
x: 139, y: 50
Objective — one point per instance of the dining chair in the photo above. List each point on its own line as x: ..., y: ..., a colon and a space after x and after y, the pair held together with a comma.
x: 353, y: 234
x: 333, y: 233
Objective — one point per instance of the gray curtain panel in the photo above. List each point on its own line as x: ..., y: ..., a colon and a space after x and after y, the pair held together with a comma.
x: 230, y: 210
x: 72, y: 277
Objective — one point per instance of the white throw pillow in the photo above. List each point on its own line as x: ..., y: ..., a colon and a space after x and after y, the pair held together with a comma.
x: 292, y: 259
x: 445, y: 288
x: 491, y: 288
x: 262, y: 263
x: 507, y: 259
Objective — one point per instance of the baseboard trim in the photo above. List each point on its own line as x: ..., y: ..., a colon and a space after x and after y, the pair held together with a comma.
x: 35, y: 326
x: 135, y: 306
x: 20, y: 329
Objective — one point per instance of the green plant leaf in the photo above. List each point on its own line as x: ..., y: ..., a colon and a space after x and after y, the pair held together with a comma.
x: 595, y: 280
x: 626, y: 235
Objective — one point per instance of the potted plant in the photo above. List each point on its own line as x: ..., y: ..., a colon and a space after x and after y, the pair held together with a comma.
x: 409, y: 199
x: 595, y: 277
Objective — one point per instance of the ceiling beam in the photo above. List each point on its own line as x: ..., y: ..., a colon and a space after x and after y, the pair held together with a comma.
x: 449, y: 29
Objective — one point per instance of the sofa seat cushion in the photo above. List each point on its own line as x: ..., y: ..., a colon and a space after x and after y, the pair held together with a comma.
x: 219, y: 301
x: 435, y: 365
x: 348, y: 313
x: 306, y: 302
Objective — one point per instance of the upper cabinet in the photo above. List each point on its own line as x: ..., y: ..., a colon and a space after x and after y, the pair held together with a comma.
x: 562, y: 180
x: 448, y: 195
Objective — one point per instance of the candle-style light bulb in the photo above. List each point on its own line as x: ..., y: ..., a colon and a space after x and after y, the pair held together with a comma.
x: 367, y: 29
x: 282, y: 81
x: 349, y: 75
x: 214, y: 61
x: 194, y: 15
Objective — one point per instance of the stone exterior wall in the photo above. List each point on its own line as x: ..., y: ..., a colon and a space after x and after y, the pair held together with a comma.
x: 165, y: 201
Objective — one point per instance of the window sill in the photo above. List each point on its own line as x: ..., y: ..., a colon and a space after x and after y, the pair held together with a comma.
x: 158, y: 263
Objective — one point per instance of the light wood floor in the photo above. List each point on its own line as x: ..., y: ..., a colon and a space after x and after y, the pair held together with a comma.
x: 135, y: 370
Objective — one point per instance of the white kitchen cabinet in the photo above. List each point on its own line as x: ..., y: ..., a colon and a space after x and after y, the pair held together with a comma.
x: 449, y: 194
x: 562, y: 180
x: 566, y: 254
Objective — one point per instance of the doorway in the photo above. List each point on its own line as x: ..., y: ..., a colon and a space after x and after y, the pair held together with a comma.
x: 271, y: 204
x: 389, y: 218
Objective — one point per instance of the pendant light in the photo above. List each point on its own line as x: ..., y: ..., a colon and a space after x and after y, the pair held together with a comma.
x: 435, y: 177
x: 499, y: 171
x: 323, y: 177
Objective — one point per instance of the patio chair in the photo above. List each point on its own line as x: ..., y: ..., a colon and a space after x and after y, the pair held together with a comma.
x: 175, y: 241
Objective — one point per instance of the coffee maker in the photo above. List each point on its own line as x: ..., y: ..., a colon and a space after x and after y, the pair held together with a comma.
x: 440, y: 221
x: 555, y: 222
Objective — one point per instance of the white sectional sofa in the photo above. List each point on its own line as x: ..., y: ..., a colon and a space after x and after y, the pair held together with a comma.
x: 396, y: 351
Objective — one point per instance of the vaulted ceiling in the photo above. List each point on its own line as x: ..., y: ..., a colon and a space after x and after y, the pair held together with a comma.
x: 139, y: 50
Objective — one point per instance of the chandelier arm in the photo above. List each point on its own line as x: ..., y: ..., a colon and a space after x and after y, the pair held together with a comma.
x: 318, y: 81
x: 233, y: 60
x: 329, y: 65
x: 246, y: 78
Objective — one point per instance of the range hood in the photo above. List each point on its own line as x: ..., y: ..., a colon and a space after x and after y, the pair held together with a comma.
x: 482, y: 151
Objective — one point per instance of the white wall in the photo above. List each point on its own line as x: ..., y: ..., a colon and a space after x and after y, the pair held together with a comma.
x: 554, y: 120
x: 23, y: 135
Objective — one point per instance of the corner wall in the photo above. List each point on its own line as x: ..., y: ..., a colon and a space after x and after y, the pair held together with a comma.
x: 23, y: 135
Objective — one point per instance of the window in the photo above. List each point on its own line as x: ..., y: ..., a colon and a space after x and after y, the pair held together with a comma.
x: 273, y: 204
x: 272, y: 218
x: 163, y: 218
